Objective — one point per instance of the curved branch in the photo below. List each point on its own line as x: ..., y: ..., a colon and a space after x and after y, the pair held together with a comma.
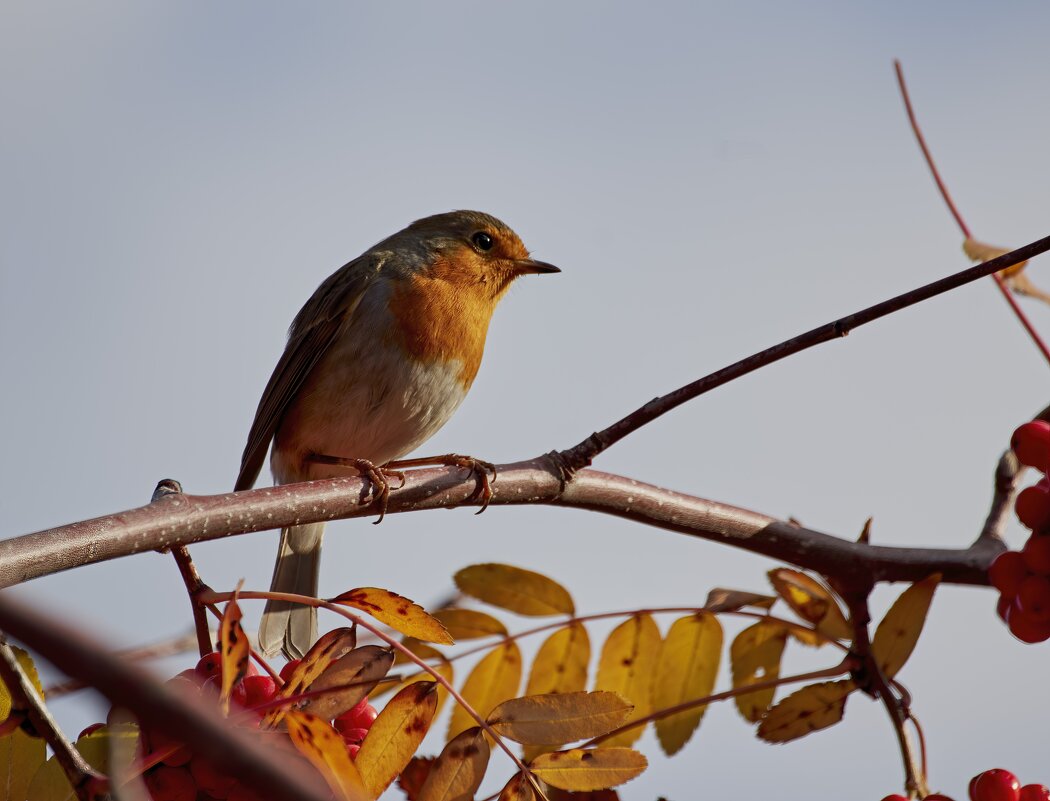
x: 177, y: 519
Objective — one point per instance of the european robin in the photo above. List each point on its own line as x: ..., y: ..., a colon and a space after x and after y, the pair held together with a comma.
x: 376, y: 362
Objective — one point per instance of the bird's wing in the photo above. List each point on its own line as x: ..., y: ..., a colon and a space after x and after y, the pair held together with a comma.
x: 311, y: 334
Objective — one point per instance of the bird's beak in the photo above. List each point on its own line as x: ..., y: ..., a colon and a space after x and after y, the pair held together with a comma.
x: 531, y: 266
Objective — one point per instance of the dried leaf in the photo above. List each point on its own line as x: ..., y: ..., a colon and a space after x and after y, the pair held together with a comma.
x: 812, y: 601
x: 459, y: 769
x: 686, y: 670
x: 627, y: 666
x: 755, y: 656
x: 469, y: 624
x: 398, y: 612
x: 234, y: 651
x: 561, y: 662
x: 330, y: 647
x: 492, y: 681
x: 812, y: 708
x: 395, y: 735
x: 589, y: 769
x: 723, y: 600
x: 414, y: 776
x: 898, y: 632
x: 559, y: 717
x: 554, y: 794
x: 981, y: 252
x: 323, y: 746
x: 517, y: 789
x: 520, y: 591
x: 357, y: 673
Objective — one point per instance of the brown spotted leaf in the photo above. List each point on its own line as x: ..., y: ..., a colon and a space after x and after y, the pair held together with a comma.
x: 810, y: 709
x: 493, y: 680
x: 414, y: 776
x: 234, y: 651
x: 395, y: 735
x: 589, y: 769
x: 331, y: 646
x: 627, y: 666
x: 324, y: 747
x: 355, y: 675
x: 459, y: 769
x: 812, y: 601
x: 721, y: 599
x: 686, y: 671
x: 517, y: 789
x: 559, y: 717
x: 469, y: 624
x: 398, y: 612
x: 898, y: 632
x: 561, y: 662
x: 521, y: 591
x: 755, y: 656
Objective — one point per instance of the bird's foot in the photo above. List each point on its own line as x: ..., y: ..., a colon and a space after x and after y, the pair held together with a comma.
x: 379, y: 477
x: 478, y: 467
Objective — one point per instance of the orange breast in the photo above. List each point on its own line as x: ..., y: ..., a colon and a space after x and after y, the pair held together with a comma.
x: 443, y: 316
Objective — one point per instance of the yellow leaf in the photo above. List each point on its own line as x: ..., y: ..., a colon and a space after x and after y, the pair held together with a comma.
x: 812, y: 601
x: 980, y: 252
x: 627, y: 666
x: 492, y: 681
x: 561, y: 662
x: 898, y: 632
x: 814, y: 707
x: 357, y: 674
x: 559, y: 717
x: 50, y: 782
x: 21, y: 757
x: 722, y: 600
x: 513, y: 588
x: 589, y: 769
x: 25, y: 661
x: 395, y: 735
x: 517, y: 789
x: 687, y: 669
x: 323, y: 746
x: 330, y: 647
x: 469, y: 624
x: 398, y: 612
x: 459, y: 769
x: 234, y: 651
x: 755, y: 656
x: 443, y: 668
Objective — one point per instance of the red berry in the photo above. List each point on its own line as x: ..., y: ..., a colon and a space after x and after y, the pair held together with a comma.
x: 1033, y: 598
x: 896, y: 797
x: 286, y: 671
x: 352, y: 749
x: 1007, y: 572
x: 937, y: 797
x: 353, y: 735
x: 996, y: 784
x: 90, y: 729
x: 209, y: 665
x: 171, y: 784
x: 1036, y: 553
x: 1001, y: 607
x: 177, y: 753
x: 210, y: 779
x: 1034, y: 792
x: 242, y: 793
x: 251, y: 670
x: 359, y: 716
x: 1031, y: 443
x: 258, y: 690
x: 238, y: 695
x: 973, y: 782
x: 1025, y: 628
x: 1033, y: 506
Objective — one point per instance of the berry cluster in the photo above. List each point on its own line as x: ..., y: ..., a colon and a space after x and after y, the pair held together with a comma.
x: 1023, y: 577
x: 178, y: 773
x: 993, y: 785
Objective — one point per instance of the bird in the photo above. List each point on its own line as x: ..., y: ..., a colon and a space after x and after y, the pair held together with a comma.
x: 376, y: 361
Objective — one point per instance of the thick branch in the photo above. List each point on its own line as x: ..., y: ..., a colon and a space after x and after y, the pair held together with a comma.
x: 183, y: 519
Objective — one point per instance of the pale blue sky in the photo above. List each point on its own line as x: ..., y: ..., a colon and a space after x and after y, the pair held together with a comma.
x: 178, y: 177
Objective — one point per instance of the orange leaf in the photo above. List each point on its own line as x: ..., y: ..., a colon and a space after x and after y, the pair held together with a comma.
x: 521, y: 591
x: 722, y: 600
x: 323, y: 746
x: 812, y: 601
x: 414, y: 776
x: 492, y: 681
x: 398, y: 612
x: 561, y: 662
x: 755, y: 656
x: 356, y: 674
x: 330, y: 647
x: 395, y: 735
x: 234, y: 651
x: 517, y: 789
x: 899, y: 631
x: 589, y: 769
x: 559, y: 717
x: 686, y: 670
x: 459, y: 769
x: 469, y: 624
x: 810, y: 709
x: 627, y: 666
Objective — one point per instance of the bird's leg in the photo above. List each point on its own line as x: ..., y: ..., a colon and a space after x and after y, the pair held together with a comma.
x: 378, y: 476
x: 478, y: 467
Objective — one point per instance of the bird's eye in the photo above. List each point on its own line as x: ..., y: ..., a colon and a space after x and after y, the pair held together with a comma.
x: 482, y: 241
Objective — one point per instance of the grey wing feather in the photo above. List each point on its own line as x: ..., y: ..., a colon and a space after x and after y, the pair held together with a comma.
x: 312, y: 332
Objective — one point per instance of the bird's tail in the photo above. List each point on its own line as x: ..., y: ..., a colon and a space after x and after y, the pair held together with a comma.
x: 286, y: 626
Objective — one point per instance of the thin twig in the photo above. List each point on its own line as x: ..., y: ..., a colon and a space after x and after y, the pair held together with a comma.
x: 24, y: 696
x: 943, y: 189
x: 1007, y: 480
